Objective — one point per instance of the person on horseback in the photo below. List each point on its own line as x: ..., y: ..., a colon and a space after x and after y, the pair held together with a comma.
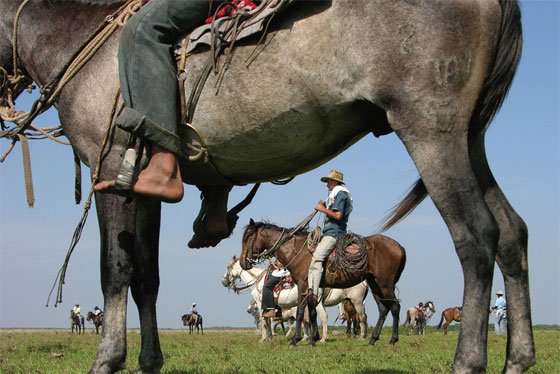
x: 276, y: 272
x: 194, y: 312
x: 148, y: 79
x: 420, y: 307
x: 337, y: 209
x: 97, y: 311
x: 76, y: 309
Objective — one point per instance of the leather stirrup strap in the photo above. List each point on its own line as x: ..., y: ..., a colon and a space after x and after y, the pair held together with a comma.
x: 27, y: 170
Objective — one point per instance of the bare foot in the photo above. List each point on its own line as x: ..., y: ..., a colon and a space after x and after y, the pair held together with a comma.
x: 161, y: 179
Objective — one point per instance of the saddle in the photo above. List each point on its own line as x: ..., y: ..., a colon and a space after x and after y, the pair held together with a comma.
x: 220, y: 37
x: 348, y: 259
x: 284, y: 284
x: 254, y: 22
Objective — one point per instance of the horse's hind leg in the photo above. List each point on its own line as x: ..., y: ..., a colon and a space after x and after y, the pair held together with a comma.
x: 381, y: 319
x: 116, y: 225
x: 512, y: 260
x: 439, y: 147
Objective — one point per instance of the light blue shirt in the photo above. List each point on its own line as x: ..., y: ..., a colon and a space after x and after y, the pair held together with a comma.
x: 500, y: 302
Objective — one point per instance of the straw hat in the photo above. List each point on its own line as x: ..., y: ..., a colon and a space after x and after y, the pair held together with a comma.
x: 500, y: 293
x: 334, y: 175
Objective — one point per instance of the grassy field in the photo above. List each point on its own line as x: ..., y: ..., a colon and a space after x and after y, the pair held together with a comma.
x: 238, y: 351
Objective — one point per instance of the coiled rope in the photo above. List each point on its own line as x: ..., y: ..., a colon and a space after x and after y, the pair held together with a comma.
x: 350, y: 261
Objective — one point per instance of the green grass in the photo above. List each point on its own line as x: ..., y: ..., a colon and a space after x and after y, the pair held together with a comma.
x: 238, y: 351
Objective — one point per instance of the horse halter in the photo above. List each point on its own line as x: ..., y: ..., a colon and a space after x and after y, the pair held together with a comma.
x: 267, y: 253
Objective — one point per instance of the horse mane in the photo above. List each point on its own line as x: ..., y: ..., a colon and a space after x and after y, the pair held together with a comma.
x: 252, y: 227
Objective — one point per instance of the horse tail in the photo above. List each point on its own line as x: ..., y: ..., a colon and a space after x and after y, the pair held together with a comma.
x: 441, y: 321
x: 492, y: 95
x: 407, y: 318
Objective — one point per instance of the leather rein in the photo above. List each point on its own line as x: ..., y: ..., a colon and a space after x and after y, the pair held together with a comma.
x: 282, y: 239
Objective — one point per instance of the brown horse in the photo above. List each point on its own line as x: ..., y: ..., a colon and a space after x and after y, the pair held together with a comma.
x: 351, y: 317
x: 193, y: 321
x: 97, y: 320
x: 450, y: 315
x: 385, y: 263
x: 77, y: 322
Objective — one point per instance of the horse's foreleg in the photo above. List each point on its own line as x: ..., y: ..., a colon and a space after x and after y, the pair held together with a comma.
x: 313, y: 320
x: 145, y: 282
x: 116, y: 225
x: 512, y: 260
x: 263, y: 327
x: 299, y: 319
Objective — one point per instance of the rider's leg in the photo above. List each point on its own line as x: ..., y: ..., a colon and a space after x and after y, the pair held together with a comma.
x: 324, y: 248
x: 147, y: 72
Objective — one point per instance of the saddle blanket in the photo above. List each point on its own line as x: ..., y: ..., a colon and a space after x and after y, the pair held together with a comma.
x: 254, y: 23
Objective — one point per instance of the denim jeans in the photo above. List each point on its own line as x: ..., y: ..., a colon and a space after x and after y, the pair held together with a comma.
x: 500, y: 326
x: 148, y: 70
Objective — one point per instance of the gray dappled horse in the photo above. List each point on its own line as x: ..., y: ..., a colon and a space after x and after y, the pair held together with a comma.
x: 434, y: 72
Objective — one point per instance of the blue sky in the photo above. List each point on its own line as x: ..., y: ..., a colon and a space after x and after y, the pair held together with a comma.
x: 523, y: 152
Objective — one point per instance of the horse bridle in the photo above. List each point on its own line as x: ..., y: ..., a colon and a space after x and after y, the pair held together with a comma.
x: 232, y: 285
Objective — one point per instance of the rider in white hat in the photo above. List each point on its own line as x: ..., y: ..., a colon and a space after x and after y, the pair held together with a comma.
x: 337, y: 209
x: 500, y: 310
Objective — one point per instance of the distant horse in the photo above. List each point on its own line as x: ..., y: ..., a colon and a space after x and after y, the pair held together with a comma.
x: 193, y: 321
x: 97, y: 320
x: 433, y: 73
x: 385, y: 262
x: 420, y: 320
x: 351, y: 317
x: 77, y: 321
x: 450, y: 315
x: 287, y: 298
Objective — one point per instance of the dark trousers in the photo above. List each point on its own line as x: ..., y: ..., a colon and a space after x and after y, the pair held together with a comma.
x: 268, y: 294
x: 148, y: 70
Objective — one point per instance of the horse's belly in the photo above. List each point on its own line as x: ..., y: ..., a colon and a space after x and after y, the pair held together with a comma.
x: 268, y: 123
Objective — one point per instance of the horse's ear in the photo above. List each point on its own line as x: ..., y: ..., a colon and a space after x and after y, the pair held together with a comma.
x: 251, y: 222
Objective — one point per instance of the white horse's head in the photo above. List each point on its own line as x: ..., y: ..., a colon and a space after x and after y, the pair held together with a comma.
x: 233, y: 272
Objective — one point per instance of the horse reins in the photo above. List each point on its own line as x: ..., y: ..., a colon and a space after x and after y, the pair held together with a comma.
x: 282, y: 239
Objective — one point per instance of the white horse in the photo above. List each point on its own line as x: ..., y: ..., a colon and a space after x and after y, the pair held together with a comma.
x: 287, y: 298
